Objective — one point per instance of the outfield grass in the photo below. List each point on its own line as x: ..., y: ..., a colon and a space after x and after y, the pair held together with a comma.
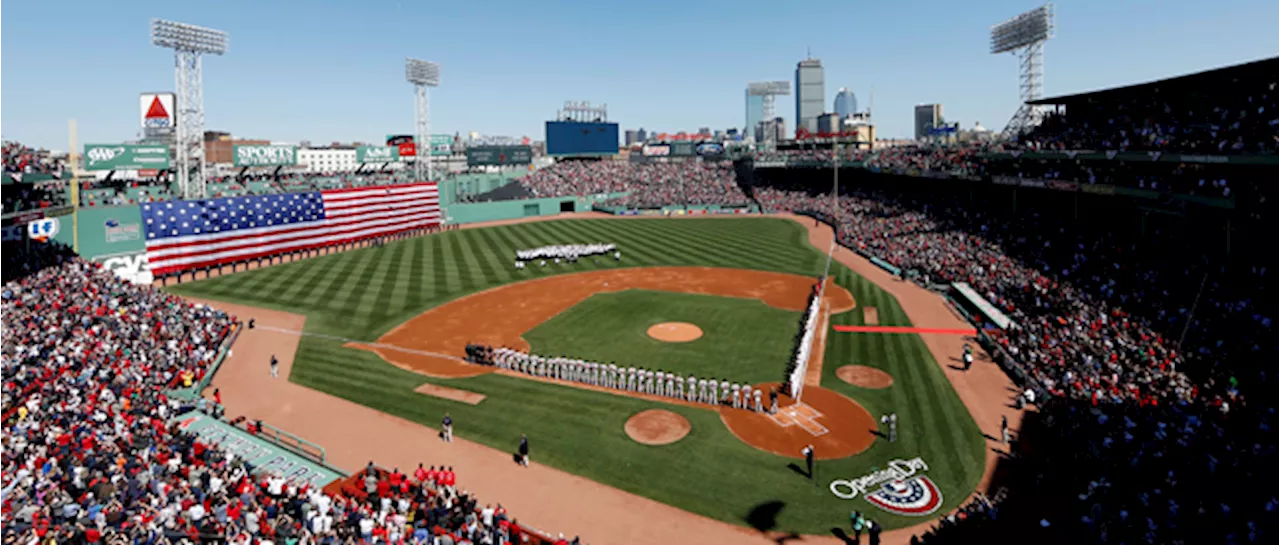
x: 743, y: 340
x: 361, y: 294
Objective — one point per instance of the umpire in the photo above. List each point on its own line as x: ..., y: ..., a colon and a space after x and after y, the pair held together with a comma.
x: 808, y: 460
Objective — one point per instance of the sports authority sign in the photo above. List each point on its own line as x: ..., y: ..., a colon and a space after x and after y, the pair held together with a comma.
x: 897, y: 489
x: 125, y: 157
x: 156, y: 111
x: 377, y: 154
x: 265, y: 156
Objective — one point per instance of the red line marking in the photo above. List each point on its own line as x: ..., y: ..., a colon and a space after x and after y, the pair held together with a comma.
x: 900, y: 329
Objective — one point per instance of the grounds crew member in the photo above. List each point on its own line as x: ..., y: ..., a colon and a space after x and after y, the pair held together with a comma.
x: 968, y: 357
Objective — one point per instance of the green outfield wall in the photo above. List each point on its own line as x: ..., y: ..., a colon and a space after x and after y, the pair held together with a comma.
x: 460, y: 213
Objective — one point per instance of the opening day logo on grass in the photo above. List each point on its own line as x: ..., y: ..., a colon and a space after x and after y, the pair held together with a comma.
x: 896, y: 489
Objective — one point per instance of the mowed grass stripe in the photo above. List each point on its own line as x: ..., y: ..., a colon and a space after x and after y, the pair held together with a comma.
x: 581, y: 431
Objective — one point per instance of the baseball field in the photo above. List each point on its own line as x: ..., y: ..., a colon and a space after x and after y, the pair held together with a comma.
x: 383, y: 322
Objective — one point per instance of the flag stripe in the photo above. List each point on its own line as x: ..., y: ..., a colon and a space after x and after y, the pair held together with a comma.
x: 184, y: 235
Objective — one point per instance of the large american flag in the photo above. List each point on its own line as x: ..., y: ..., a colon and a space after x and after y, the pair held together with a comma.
x: 184, y: 235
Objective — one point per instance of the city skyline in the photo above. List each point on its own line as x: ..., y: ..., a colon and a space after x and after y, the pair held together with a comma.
x: 293, y: 72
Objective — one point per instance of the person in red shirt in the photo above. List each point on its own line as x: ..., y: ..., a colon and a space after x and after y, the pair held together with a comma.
x: 420, y: 474
x: 384, y: 488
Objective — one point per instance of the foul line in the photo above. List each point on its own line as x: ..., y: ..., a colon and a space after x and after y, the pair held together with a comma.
x: 900, y: 329
x: 365, y: 343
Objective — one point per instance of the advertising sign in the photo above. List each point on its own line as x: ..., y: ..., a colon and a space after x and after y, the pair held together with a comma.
x: 377, y: 154
x: 406, y: 143
x: 499, y: 155
x: 125, y: 157
x: 657, y: 151
x: 682, y: 149
x: 710, y: 149
x: 129, y: 267
x: 117, y: 231
x: 265, y: 156
x: 156, y: 111
x: 441, y: 145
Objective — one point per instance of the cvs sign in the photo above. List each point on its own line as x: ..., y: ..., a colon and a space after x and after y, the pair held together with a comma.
x: 130, y: 268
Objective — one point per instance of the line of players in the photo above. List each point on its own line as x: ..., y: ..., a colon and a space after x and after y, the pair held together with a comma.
x: 633, y: 379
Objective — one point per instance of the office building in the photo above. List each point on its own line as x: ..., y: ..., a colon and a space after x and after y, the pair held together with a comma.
x: 810, y: 94
x: 755, y: 111
x: 771, y: 130
x: 846, y: 104
x: 642, y: 135
x: 828, y: 123
x: 631, y: 136
x: 927, y: 117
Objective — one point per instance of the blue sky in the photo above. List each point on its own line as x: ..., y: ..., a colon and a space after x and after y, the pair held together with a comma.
x: 326, y: 70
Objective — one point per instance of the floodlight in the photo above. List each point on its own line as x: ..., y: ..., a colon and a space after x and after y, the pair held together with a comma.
x: 189, y: 43
x: 1025, y: 36
x: 420, y: 72
x: 1026, y: 29
x: 184, y: 37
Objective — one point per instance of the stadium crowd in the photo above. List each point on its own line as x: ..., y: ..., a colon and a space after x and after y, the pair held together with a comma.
x: 650, y: 185
x: 91, y: 456
x: 1233, y: 122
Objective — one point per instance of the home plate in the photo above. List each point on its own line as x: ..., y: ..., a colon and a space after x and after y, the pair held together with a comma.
x: 800, y: 415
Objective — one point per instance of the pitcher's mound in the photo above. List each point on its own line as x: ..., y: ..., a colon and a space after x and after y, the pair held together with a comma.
x: 657, y: 427
x: 865, y: 377
x: 675, y: 332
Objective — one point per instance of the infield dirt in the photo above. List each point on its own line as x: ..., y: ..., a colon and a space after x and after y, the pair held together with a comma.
x: 546, y: 497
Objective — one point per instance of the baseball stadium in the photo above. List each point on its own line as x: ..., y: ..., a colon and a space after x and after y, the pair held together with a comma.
x: 1055, y: 333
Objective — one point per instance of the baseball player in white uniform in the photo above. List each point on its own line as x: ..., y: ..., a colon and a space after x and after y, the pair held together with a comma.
x: 702, y: 390
x: 724, y: 391
x: 671, y: 385
x: 746, y: 396
x: 631, y: 379
x: 737, y: 393
x: 759, y: 405
x: 649, y: 384
x: 693, y: 383
x: 711, y: 386
x: 680, y: 388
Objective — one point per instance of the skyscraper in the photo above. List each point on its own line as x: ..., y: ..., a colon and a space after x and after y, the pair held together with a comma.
x: 927, y: 116
x: 846, y: 104
x: 755, y: 111
x: 810, y: 94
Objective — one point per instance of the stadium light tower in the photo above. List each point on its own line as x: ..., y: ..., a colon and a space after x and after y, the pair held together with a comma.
x: 1024, y: 36
x: 189, y: 44
x: 422, y: 74
x: 767, y: 90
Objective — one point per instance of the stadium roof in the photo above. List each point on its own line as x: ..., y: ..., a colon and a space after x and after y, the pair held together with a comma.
x: 1217, y: 77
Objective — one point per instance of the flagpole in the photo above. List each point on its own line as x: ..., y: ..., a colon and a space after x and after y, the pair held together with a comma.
x: 75, y: 190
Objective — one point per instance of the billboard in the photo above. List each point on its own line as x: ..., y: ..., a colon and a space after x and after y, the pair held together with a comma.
x: 155, y: 111
x: 441, y: 145
x: 405, y: 142
x: 265, y: 156
x: 710, y: 149
x: 575, y: 138
x: 682, y: 149
x: 499, y: 155
x: 125, y: 157
x: 377, y: 154
x: 657, y: 151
